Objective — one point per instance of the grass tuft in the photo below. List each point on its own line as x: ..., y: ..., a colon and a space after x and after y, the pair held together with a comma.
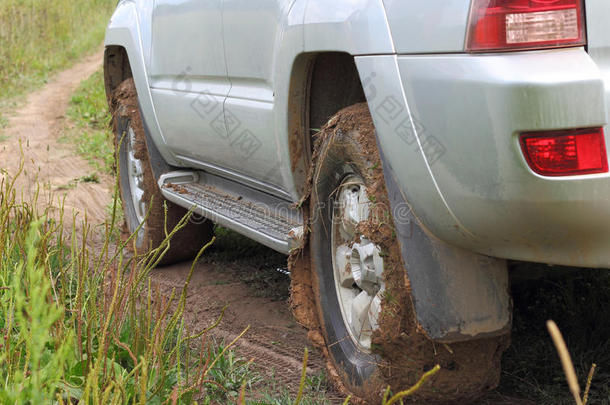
x: 578, y: 300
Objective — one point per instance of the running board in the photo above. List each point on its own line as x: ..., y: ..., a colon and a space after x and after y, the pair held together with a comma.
x: 269, y: 220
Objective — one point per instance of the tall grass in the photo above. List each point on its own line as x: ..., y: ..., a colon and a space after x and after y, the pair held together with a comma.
x: 84, y: 325
x: 38, y: 37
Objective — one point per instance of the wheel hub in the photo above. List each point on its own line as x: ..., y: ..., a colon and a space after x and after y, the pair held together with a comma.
x: 357, y: 264
x: 135, y: 173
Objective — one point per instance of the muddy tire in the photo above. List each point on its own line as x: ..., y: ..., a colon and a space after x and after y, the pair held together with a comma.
x: 359, y: 283
x: 143, y: 203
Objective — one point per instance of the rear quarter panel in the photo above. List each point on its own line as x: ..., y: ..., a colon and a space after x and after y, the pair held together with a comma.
x: 428, y: 26
x: 357, y: 27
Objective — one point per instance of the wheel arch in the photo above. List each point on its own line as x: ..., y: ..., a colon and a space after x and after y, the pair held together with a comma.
x: 127, y: 35
x: 321, y: 84
x: 116, y: 69
x: 357, y: 28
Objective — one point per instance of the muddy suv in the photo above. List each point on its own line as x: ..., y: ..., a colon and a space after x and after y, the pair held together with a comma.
x: 399, y: 152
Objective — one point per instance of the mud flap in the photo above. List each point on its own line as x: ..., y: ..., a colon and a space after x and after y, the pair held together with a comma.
x: 458, y: 295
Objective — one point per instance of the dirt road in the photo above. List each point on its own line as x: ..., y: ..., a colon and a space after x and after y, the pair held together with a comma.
x: 34, y: 130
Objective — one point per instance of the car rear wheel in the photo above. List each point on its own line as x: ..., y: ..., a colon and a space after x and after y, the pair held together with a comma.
x: 365, y: 309
x: 143, y: 204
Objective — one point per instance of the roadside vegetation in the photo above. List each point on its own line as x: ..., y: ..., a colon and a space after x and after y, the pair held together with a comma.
x: 86, y: 325
x: 38, y: 37
x: 83, y: 324
x: 89, y: 127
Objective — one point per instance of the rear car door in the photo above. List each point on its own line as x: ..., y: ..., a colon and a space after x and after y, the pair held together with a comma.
x: 252, y: 34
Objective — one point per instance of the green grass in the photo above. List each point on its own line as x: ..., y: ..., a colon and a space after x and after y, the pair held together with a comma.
x: 90, y: 131
x: 87, y: 326
x: 230, y: 374
x: 83, y: 325
x: 276, y: 393
x: 578, y: 300
x: 39, y: 37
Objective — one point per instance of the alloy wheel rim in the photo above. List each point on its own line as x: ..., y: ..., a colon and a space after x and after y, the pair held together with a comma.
x: 135, y: 173
x: 357, y: 264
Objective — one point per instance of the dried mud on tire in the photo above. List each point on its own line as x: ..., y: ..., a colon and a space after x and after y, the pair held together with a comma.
x: 468, y: 370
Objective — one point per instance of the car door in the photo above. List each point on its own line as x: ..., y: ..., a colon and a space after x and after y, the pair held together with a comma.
x: 252, y: 34
x: 188, y: 79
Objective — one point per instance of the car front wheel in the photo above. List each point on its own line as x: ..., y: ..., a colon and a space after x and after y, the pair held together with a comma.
x: 361, y: 289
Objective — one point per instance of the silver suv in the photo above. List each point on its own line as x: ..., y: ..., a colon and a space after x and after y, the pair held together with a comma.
x: 398, y: 151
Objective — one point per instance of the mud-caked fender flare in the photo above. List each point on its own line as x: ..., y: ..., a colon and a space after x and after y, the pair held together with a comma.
x: 458, y: 295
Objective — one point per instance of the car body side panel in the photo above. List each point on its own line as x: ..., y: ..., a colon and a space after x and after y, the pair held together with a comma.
x: 129, y: 28
x: 253, y: 33
x: 358, y: 27
x: 187, y: 41
x: 428, y: 26
x: 598, y: 40
x: 188, y: 78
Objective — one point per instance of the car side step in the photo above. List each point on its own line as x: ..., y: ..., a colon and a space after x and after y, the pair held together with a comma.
x: 269, y: 220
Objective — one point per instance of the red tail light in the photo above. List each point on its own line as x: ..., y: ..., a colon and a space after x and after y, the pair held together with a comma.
x: 497, y: 25
x: 566, y: 153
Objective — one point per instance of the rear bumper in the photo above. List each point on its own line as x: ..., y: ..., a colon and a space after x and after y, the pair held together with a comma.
x: 449, y: 126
